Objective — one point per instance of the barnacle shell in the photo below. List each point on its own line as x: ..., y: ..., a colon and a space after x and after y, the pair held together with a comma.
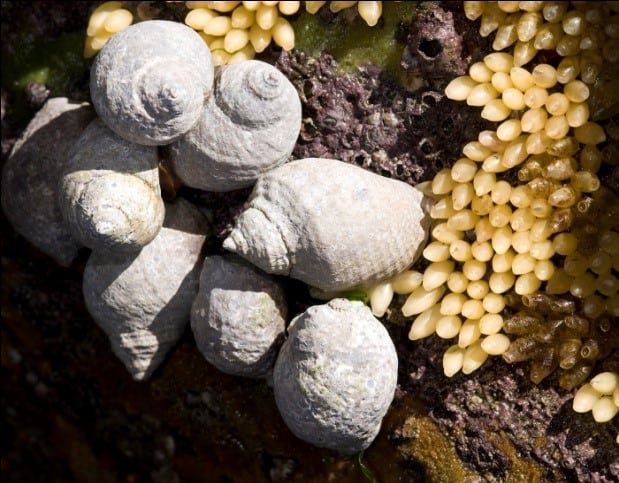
x: 149, y: 82
x: 238, y: 317
x: 30, y: 177
x: 249, y: 125
x: 335, y: 376
x: 330, y: 224
x: 142, y: 301
x: 109, y: 193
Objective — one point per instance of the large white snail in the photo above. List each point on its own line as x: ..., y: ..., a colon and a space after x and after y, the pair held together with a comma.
x: 330, y: 224
x: 150, y: 81
x: 249, y: 125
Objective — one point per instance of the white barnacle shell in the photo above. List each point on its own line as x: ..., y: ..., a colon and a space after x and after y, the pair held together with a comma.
x: 142, y: 300
x: 109, y: 193
x: 248, y: 126
x: 330, y: 224
x: 335, y: 376
x: 150, y: 81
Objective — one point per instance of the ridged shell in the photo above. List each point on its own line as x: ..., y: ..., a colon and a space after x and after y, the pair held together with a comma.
x: 143, y: 301
x: 238, y: 317
x: 109, y: 194
x: 335, y: 376
x: 249, y: 125
x: 150, y: 81
x: 330, y: 224
x: 30, y: 177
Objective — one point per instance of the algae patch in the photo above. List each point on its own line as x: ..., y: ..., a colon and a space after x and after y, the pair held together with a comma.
x: 354, y: 43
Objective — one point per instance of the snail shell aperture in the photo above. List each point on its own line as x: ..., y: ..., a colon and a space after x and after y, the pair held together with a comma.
x: 150, y: 81
x: 109, y: 193
x: 249, y: 125
x: 330, y: 224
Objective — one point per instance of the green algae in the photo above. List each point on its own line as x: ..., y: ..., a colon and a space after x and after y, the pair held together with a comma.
x: 58, y: 63
x: 352, y: 42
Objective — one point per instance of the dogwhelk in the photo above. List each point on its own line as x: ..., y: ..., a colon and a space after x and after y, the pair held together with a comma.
x: 142, y: 301
x: 30, y: 177
x: 249, y: 125
x: 335, y: 376
x: 330, y: 224
x: 150, y: 81
x: 238, y: 317
x: 109, y: 193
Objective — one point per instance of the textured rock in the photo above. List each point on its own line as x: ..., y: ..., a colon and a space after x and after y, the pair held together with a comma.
x: 109, y: 192
x: 249, y: 125
x: 330, y: 224
x: 143, y: 301
x: 30, y: 177
x: 149, y: 82
x: 238, y: 317
x: 335, y: 376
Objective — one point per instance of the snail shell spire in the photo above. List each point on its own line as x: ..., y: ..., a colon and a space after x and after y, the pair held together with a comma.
x: 249, y: 125
x: 150, y: 81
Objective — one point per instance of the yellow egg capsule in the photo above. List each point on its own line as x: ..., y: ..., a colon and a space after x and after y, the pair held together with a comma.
x: 242, y: 18
x: 259, y: 38
x: 495, y: 344
x: 448, y: 326
x: 289, y: 8
x: 406, y: 282
x: 436, y: 274
x: 490, y: 323
x: 460, y: 88
x: 453, y: 359
x: 424, y: 324
x: 420, y: 300
x: 370, y: 11
x: 199, y: 17
x: 474, y: 357
x: 311, y: 7
x: 283, y: 34
x: 266, y: 16
x: 457, y: 282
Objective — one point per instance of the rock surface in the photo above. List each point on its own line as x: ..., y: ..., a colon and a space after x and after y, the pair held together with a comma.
x: 335, y: 376
x: 238, y: 317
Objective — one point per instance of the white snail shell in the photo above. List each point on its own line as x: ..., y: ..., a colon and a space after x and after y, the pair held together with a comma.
x: 336, y: 375
x: 30, y: 177
x: 238, y: 317
x: 109, y: 193
x: 249, y: 125
x: 150, y: 81
x: 330, y: 224
x: 142, y: 301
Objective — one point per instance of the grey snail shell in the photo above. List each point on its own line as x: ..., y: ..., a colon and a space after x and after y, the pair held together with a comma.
x: 335, y: 376
x: 249, y: 125
x: 109, y: 193
x: 238, y: 317
x: 142, y: 300
x: 150, y: 81
x: 330, y: 224
x: 31, y: 174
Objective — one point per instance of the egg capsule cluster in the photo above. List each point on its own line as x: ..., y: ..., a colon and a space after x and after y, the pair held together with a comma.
x: 494, y: 240
x: 234, y: 31
x: 600, y: 396
x: 582, y: 34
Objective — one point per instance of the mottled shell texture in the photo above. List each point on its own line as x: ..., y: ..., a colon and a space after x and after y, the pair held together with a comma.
x: 109, y: 193
x: 30, y: 177
x: 238, y: 317
x: 142, y: 301
x: 150, y: 81
x: 330, y: 224
x: 335, y: 376
x: 249, y: 125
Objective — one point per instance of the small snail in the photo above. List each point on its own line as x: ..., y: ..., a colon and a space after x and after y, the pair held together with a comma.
x: 330, y: 224
x: 335, y: 376
x: 142, y: 301
x: 238, y: 317
x: 150, y: 81
x: 30, y: 177
x: 249, y: 125
x: 109, y: 193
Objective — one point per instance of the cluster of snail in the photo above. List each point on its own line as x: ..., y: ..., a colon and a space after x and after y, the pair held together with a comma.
x: 233, y: 30
x: 498, y: 249
x: 321, y: 221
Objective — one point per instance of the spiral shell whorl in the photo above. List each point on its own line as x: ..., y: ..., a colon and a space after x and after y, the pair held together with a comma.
x: 150, y: 81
